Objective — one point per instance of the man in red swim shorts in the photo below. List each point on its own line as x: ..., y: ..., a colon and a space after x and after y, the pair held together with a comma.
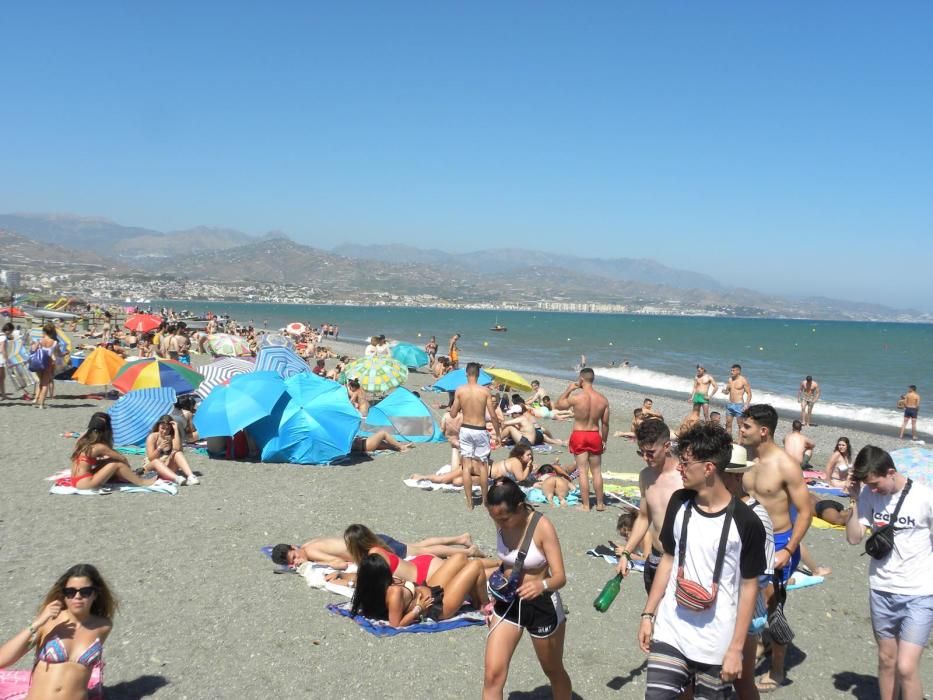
x: 590, y: 433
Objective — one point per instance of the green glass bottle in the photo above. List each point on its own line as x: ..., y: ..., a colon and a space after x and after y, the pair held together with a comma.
x: 608, y: 594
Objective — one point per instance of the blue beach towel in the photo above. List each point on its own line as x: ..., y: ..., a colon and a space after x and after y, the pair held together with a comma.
x: 381, y: 628
x: 536, y: 495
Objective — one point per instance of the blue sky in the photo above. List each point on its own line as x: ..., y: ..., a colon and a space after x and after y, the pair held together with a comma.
x: 783, y: 147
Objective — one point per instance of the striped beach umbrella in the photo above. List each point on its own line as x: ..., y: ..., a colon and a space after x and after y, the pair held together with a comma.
x: 410, y: 355
x: 282, y: 361
x: 142, y: 323
x: 275, y: 340
x: 220, y: 372
x: 377, y: 374
x: 226, y: 345
x: 134, y: 414
x: 154, y: 372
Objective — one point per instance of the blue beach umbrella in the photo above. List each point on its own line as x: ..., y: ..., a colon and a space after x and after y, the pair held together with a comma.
x: 314, y: 425
x: 276, y: 340
x: 134, y: 414
x: 281, y: 360
x: 246, y: 399
x: 457, y: 378
x: 915, y: 463
x: 410, y: 355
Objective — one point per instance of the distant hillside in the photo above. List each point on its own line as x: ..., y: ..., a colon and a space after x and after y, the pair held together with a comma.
x: 17, y: 251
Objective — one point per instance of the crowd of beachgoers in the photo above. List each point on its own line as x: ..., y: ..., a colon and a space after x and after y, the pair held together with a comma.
x: 716, y: 520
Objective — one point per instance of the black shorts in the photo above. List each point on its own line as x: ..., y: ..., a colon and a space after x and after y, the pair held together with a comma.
x: 541, y: 616
x: 651, y: 568
x: 821, y: 506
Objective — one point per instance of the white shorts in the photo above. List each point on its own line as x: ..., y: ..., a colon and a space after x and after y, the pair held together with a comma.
x: 474, y: 443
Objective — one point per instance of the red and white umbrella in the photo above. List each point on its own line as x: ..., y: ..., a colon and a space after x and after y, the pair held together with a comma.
x: 296, y: 328
x: 142, y: 323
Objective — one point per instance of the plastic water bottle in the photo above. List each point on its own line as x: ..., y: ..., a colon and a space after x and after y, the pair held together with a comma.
x: 608, y: 594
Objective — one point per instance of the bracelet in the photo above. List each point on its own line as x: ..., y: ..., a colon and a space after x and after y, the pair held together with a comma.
x: 544, y: 583
x: 627, y: 555
x: 647, y: 616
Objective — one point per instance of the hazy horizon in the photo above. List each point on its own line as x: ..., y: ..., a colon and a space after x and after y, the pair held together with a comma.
x: 781, y: 149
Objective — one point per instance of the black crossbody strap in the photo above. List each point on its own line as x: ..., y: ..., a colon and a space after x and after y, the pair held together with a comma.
x: 900, y: 502
x: 723, y: 539
x: 526, y: 543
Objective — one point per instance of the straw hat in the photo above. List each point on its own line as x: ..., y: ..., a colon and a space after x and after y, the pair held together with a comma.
x: 739, y: 462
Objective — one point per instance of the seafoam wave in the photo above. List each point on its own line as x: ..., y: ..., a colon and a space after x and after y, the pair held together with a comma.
x: 651, y: 379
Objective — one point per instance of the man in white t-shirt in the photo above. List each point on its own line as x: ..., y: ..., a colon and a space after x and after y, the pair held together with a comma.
x: 705, y: 529
x: 900, y: 585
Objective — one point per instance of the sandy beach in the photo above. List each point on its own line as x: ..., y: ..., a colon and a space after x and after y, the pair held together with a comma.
x: 203, y: 615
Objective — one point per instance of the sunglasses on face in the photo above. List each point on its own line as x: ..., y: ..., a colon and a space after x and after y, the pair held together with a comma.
x: 85, y: 591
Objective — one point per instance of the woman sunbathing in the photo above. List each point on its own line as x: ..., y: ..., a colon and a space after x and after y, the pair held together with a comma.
x: 333, y: 551
x: 379, y: 441
x: 517, y: 466
x: 94, y: 462
x: 553, y: 480
x: 69, y: 632
x: 382, y: 596
x: 163, y: 450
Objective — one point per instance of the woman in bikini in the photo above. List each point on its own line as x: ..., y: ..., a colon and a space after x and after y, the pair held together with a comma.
x: 163, y: 450
x: 553, y: 480
x: 840, y: 461
x: 94, y: 462
x: 517, y: 466
x: 537, y: 606
x: 48, y: 345
x: 69, y: 633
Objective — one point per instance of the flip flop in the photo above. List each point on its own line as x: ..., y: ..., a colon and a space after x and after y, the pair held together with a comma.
x: 768, y: 685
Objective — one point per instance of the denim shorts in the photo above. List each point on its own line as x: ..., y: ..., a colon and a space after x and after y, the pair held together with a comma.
x: 908, y: 618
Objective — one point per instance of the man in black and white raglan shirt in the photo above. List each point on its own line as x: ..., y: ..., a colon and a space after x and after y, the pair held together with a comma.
x: 900, y: 585
x: 692, y: 628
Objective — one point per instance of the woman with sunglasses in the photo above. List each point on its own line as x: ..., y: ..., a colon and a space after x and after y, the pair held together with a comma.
x: 537, y: 606
x: 69, y: 632
x: 94, y: 462
x: 163, y: 450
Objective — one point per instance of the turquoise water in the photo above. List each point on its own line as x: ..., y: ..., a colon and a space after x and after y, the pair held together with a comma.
x: 862, y: 367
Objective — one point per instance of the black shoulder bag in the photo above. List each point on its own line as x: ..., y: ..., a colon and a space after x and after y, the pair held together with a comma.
x: 881, y: 542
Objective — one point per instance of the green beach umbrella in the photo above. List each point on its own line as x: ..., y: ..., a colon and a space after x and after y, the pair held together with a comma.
x: 377, y: 374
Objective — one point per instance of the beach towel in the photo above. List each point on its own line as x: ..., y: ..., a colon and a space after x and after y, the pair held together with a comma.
x: 607, y: 554
x: 425, y: 485
x: 62, y: 487
x: 536, y: 495
x: 544, y: 448
x: 802, y: 580
x: 134, y: 450
x: 821, y: 524
x: 621, y: 476
x: 823, y: 488
x: 14, y: 685
x: 381, y: 628
x: 314, y: 574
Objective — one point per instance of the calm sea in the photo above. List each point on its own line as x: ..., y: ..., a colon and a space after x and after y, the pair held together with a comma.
x: 862, y: 367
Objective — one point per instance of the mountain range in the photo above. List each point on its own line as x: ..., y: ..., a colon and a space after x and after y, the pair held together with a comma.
x: 498, y: 275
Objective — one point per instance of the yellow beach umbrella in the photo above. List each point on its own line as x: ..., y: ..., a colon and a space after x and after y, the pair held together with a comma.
x: 99, y: 368
x: 507, y: 376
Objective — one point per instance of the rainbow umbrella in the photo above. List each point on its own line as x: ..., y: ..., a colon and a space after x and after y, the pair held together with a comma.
x: 227, y: 345
x: 99, y: 368
x: 507, y: 376
x: 154, y: 372
x: 377, y: 374
x: 142, y: 323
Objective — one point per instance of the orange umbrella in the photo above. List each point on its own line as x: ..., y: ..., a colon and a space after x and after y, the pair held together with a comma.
x: 99, y: 368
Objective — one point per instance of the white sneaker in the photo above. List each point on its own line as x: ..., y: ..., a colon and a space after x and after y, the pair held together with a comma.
x: 193, y: 480
x: 179, y: 480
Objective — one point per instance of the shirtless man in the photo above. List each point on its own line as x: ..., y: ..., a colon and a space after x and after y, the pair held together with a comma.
x: 475, y: 403
x: 333, y: 551
x: 358, y: 397
x: 453, y: 352
x: 538, y: 393
x: 776, y: 482
x: 656, y: 482
x: 911, y: 409
x: 590, y: 433
x: 523, y: 430
x: 691, y: 419
x: 808, y: 394
x: 704, y: 386
x: 647, y: 409
x: 798, y: 445
x: 740, y: 396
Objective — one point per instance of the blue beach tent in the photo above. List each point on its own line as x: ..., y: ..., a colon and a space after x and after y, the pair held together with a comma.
x: 452, y: 380
x: 405, y: 416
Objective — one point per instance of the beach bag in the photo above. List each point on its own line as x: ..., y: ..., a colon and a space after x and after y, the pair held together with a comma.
x: 778, y: 626
x: 690, y: 594
x: 881, y: 542
x: 39, y: 359
x: 502, y: 587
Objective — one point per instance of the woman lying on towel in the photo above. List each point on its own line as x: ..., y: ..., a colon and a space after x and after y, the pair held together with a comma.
x: 94, y: 461
x: 517, y: 466
x: 380, y: 595
x: 553, y: 480
x: 333, y: 551
x: 163, y: 450
x: 380, y: 440
x: 69, y: 633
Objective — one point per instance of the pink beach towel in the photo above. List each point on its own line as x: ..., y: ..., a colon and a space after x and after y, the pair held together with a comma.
x: 15, y: 684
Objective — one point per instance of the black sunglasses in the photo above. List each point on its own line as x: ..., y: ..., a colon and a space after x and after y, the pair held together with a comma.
x: 85, y: 591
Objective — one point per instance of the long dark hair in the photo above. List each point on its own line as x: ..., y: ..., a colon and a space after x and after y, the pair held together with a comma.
x: 164, y: 420
x: 98, y: 430
x: 105, y: 603
x: 373, y: 578
x: 505, y: 492
x: 849, y: 456
x: 50, y: 330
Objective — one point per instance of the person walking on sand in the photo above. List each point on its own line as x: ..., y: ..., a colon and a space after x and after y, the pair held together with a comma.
x: 807, y: 395
x: 776, y: 481
x: 911, y: 410
x: 453, y: 352
x: 590, y: 433
x: 704, y: 386
x: 656, y: 483
x: 740, y: 396
x: 697, y: 616
x: 475, y: 403
x: 899, y: 582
